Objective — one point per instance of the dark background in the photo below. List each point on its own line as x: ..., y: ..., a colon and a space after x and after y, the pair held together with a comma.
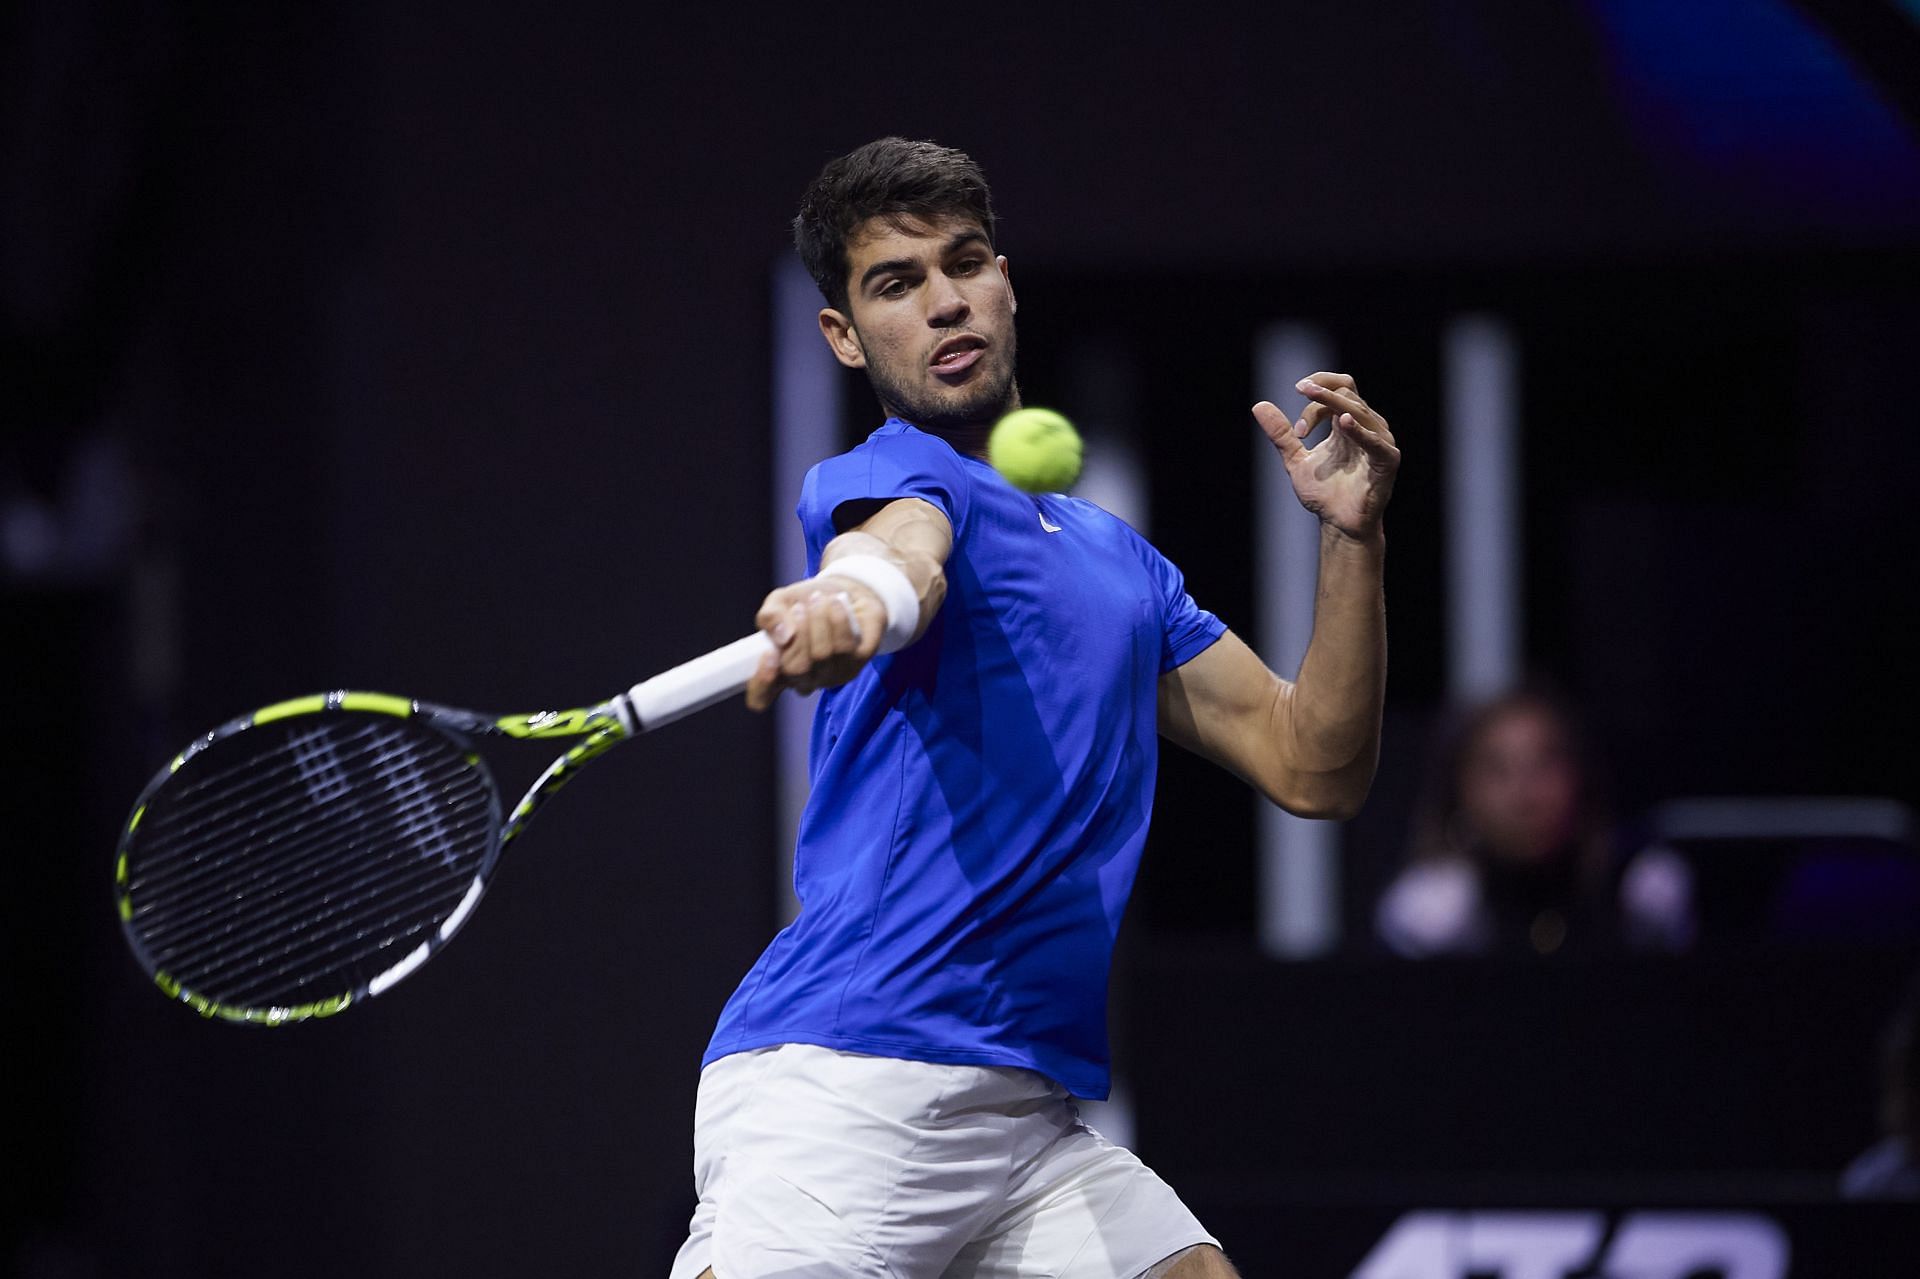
x: 426, y: 349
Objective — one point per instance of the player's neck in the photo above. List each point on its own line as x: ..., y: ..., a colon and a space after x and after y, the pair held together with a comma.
x: 969, y: 438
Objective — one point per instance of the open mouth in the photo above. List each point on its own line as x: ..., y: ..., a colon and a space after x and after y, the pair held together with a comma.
x: 957, y: 354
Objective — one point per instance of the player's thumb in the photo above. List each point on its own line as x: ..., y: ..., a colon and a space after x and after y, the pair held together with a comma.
x: 1278, y: 429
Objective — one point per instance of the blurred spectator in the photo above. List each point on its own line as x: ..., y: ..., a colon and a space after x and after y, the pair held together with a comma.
x: 1890, y: 1169
x: 1512, y: 851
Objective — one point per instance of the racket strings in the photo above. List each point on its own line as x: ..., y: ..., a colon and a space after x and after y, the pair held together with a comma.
x: 279, y: 891
x: 301, y: 960
x: 222, y: 943
x: 189, y: 795
x: 261, y: 787
x: 298, y: 856
x: 211, y: 913
x: 317, y: 916
x: 194, y: 867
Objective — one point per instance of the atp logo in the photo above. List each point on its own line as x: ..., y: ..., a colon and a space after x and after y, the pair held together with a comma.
x: 1579, y: 1245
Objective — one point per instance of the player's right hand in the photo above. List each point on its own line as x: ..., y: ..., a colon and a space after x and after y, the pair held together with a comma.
x: 824, y: 629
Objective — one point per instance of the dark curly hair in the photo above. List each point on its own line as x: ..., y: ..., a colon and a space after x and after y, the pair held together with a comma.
x: 892, y: 178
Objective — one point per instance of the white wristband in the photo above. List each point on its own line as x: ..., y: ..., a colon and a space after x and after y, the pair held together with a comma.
x: 885, y: 579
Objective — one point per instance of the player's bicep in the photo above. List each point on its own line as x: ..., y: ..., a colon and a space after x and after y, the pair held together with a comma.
x: 1221, y: 705
x: 1226, y: 706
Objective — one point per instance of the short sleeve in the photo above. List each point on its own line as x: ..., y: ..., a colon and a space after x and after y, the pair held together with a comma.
x: 1187, y: 630
x: 894, y: 462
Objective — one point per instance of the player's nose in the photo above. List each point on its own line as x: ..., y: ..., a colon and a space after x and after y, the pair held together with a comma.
x: 948, y: 305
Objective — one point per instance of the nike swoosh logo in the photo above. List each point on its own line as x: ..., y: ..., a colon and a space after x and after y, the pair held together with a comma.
x: 1051, y: 528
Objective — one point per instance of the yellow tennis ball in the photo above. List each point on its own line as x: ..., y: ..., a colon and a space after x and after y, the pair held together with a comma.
x: 1036, y: 449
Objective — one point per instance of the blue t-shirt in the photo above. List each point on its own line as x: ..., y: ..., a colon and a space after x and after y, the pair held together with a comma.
x: 980, y: 798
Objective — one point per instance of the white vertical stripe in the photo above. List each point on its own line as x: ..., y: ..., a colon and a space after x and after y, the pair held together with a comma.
x: 1103, y: 397
x: 1482, y: 377
x: 1114, y: 480
x: 806, y: 418
x: 1299, y: 859
x: 1103, y: 390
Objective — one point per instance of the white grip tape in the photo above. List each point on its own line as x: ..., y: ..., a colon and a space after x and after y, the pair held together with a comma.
x: 885, y: 579
x: 696, y: 685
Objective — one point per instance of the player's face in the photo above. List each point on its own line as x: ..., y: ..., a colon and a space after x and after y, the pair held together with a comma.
x: 931, y: 321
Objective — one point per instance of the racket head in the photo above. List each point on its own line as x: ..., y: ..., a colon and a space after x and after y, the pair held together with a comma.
x: 300, y: 859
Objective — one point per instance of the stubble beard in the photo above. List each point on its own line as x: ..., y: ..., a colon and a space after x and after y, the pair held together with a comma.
x: 965, y: 416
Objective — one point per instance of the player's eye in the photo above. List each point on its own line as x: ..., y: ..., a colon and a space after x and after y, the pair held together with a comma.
x: 966, y: 266
x: 893, y: 288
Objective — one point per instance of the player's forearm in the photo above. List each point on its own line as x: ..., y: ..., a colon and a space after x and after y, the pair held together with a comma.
x: 825, y: 628
x: 914, y: 547
x: 1334, y: 718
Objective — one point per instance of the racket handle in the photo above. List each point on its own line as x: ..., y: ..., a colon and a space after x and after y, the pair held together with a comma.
x: 696, y: 685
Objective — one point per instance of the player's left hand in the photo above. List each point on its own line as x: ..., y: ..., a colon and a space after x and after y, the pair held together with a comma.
x: 1347, y: 478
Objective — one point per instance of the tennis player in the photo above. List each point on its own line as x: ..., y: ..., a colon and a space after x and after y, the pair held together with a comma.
x: 890, y: 1090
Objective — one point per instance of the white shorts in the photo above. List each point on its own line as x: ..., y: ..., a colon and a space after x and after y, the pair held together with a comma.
x: 812, y: 1162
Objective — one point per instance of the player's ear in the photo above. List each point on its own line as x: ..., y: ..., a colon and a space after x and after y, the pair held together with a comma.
x: 842, y: 338
x: 1006, y: 273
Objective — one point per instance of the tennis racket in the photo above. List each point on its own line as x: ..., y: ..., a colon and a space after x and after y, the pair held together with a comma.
x: 298, y: 860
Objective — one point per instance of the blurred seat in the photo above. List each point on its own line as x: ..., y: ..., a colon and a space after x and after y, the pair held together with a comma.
x: 1800, y: 870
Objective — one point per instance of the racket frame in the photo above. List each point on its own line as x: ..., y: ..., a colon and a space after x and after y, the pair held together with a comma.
x: 650, y: 704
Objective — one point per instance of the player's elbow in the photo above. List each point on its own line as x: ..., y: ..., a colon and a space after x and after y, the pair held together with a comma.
x: 1326, y: 797
x: 1341, y: 811
x: 1316, y: 770
x: 1327, y: 811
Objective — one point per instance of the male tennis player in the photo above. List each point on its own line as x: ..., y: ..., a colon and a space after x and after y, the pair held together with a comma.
x: 889, y: 1092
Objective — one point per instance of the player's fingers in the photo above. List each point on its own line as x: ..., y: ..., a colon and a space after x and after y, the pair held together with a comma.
x: 796, y: 650
x: 1378, y: 445
x: 1278, y: 430
x: 1335, y: 400
x: 867, y: 618
x: 871, y: 614
x: 865, y: 622
x: 829, y: 642
x: 1381, y: 458
x: 1341, y: 383
x: 844, y: 633
x: 1316, y: 414
x: 768, y: 615
x: 823, y: 631
x: 773, y: 610
x: 764, y: 687
x: 772, y: 618
x: 1375, y: 425
x: 1311, y: 419
x: 846, y: 626
x: 809, y: 625
x: 866, y: 614
x: 1334, y: 381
